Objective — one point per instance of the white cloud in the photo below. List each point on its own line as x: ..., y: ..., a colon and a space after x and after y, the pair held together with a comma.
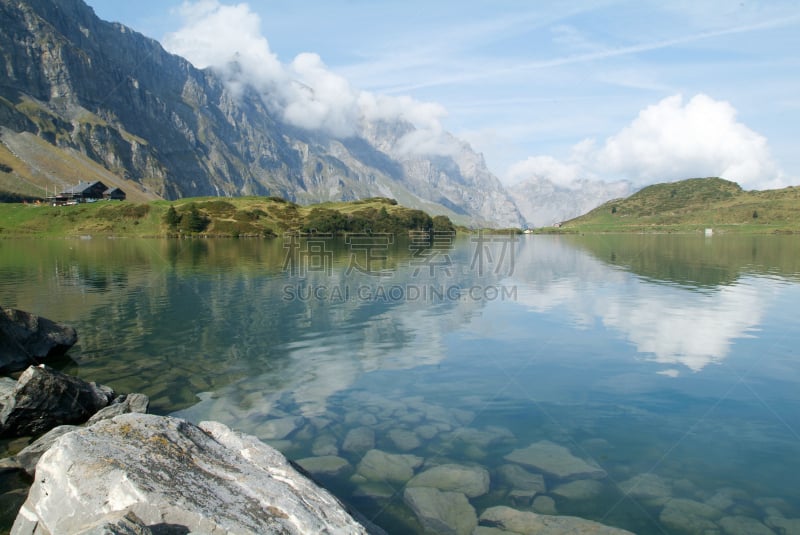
x: 670, y: 140
x: 305, y: 92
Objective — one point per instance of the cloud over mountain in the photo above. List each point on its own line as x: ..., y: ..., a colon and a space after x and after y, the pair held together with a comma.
x: 304, y: 92
x: 670, y: 140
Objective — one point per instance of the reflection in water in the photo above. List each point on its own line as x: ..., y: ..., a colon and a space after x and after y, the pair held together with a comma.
x: 574, y: 352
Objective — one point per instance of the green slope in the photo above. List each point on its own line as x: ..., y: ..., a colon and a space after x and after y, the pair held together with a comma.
x: 693, y: 205
x: 212, y: 216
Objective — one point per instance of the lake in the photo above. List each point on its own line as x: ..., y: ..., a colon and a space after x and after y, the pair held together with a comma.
x: 667, y: 364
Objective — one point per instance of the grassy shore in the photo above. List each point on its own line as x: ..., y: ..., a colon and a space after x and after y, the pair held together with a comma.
x: 210, y: 217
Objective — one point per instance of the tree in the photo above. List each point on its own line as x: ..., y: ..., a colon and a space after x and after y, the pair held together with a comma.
x: 755, y: 214
x: 171, y: 218
x: 613, y: 209
x: 193, y: 220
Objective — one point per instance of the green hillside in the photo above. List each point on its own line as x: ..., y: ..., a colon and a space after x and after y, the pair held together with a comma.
x: 693, y: 205
x: 212, y: 217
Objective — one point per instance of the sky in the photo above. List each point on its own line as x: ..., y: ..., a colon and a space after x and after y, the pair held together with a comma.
x: 602, y: 90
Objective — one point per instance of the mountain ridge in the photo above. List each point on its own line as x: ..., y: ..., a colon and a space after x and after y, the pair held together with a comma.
x: 116, y: 98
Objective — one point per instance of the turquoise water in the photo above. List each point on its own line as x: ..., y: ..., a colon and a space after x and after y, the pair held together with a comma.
x: 672, y: 357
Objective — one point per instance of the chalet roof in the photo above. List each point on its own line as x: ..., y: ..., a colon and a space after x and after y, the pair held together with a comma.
x: 109, y: 191
x: 82, y: 187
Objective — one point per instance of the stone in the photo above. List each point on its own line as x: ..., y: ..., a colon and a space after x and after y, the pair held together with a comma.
x: 518, y: 478
x: 44, y: 398
x: 119, y: 524
x: 122, y: 405
x: 556, y: 461
x: 472, y: 481
x: 325, y: 445
x: 743, y: 525
x: 278, y: 428
x: 27, y: 339
x: 169, y: 472
x: 681, y: 514
x: 544, y: 505
x: 426, y: 431
x: 377, y: 465
x: 521, y: 498
x: 646, y: 486
x: 7, y: 385
x: 328, y: 465
x: 359, y: 440
x: 527, y: 523
x: 404, y: 440
x: 582, y: 489
x: 787, y: 526
x: 374, y: 490
x: 445, y: 513
x: 27, y: 458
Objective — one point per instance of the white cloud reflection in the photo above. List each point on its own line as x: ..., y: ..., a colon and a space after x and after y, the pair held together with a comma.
x: 668, y: 324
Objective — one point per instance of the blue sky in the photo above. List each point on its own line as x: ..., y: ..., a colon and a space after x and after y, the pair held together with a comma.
x: 604, y: 90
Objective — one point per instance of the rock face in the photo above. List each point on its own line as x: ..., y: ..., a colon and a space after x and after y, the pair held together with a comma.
x: 120, y: 100
x: 44, y: 398
x: 168, y: 472
x: 26, y: 339
x: 556, y: 461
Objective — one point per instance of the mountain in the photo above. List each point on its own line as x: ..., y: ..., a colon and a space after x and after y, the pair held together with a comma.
x: 82, y: 98
x: 544, y: 203
x: 695, y: 204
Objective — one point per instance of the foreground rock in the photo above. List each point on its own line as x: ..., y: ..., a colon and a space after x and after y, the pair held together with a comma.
x: 26, y: 339
x: 525, y: 523
x: 556, y: 461
x: 168, y: 472
x: 44, y: 398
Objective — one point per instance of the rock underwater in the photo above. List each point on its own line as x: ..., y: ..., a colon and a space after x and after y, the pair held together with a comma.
x: 168, y: 472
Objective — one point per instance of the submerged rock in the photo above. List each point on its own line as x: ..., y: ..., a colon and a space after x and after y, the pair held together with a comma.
x: 647, y: 487
x: 556, y: 461
x: 743, y: 525
x: 26, y: 339
x: 690, y: 516
x: 445, y: 513
x: 404, y: 440
x: 518, y: 478
x: 526, y: 523
x: 327, y: 465
x: 471, y: 481
x: 44, y: 398
x: 544, y: 505
x: 169, y: 472
x: 359, y: 440
x: 377, y: 465
x: 582, y: 489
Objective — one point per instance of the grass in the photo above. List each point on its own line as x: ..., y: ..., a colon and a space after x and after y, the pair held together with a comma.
x: 223, y: 217
x: 691, y: 206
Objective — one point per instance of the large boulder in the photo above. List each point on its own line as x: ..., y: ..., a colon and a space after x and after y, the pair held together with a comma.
x: 447, y: 513
x: 169, y: 472
x: 44, y: 398
x: 26, y: 339
x: 527, y: 523
x: 473, y: 481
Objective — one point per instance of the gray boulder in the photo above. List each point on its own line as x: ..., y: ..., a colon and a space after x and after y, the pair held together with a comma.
x: 123, y: 404
x: 378, y: 465
x: 27, y: 458
x: 26, y: 339
x: 169, y: 472
x: 45, y: 398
